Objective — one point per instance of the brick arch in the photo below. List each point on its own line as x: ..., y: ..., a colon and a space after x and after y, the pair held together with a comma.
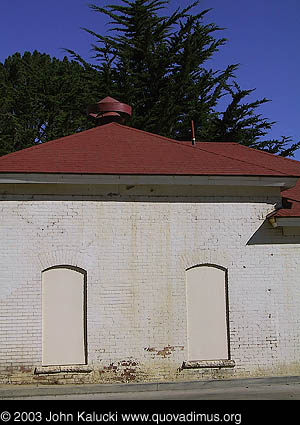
x: 217, y: 266
x: 64, y: 257
x: 213, y: 257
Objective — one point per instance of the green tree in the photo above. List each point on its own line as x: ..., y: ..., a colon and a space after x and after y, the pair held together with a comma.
x: 43, y: 98
x: 159, y: 65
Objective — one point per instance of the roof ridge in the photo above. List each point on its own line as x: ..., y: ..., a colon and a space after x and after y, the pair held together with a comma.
x: 202, y: 141
x: 149, y: 133
x: 90, y: 130
x: 246, y: 162
x: 39, y: 145
x: 178, y: 142
x: 271, y: 154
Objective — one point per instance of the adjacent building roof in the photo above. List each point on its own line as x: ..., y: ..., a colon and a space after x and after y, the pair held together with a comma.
x: 117, y: 149
x: 290, y: 203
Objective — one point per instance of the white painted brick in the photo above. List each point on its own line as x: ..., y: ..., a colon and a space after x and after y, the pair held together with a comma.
x: 135, y: 252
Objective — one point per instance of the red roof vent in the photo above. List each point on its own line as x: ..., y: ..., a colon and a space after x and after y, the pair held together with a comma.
x: 109, y: 110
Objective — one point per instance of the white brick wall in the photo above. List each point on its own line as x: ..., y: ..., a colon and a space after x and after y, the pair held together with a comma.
x: 135, y: 251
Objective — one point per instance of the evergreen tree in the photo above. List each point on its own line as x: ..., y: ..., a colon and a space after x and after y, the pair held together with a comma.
x: 159, y: 65
x: 43, y: 98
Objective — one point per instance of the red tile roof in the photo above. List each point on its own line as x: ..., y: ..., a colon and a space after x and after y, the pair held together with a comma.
x: 291, y: 203
x: 293, y: 193
x: 254, y: 156
x: 291, y: 211
x: 118, y: 149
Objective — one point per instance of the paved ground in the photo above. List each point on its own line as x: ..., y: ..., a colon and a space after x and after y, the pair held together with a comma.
x: 278, y: 388
x: 278, y: 392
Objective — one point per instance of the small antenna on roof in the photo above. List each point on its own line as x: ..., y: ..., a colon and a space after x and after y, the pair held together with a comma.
x: 193, y: 134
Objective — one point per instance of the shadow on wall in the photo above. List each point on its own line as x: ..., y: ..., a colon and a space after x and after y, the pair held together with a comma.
x: 268, y: 235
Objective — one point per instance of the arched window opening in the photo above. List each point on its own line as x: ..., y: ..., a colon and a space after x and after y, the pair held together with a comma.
x: 63, y: 316
x: 207, y: 313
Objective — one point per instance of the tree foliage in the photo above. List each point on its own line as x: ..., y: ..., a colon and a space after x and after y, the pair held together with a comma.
x: 161, y: 66
x: 43, y: 98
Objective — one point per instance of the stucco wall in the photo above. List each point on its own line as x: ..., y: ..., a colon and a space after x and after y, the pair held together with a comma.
x: 135, y: 250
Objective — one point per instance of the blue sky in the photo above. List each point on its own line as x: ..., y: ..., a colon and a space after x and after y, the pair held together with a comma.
x: 263, y: 37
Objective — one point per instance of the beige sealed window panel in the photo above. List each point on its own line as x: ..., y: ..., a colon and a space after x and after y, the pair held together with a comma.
x: 63, y: 317
x: 206, y: 311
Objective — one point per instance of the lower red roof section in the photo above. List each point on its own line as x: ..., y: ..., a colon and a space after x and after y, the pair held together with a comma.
x: 290, y: 203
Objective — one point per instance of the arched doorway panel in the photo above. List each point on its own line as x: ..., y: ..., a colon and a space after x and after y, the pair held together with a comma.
x: 63, y: 316
x: 207, y: 327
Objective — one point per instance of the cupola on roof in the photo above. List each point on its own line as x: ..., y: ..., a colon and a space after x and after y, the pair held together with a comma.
x: 109, y: 110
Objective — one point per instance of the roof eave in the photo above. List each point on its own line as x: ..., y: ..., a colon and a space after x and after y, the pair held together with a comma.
x: 283, y: 182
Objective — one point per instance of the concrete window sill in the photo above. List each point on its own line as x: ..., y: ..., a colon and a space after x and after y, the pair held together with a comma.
x: 208, y: 364
x: 62, y: 369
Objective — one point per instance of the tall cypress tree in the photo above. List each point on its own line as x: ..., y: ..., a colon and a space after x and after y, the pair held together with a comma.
x: 160, y: 65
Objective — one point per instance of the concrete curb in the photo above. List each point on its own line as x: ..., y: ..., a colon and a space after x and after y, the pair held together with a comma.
x: 9, y: 391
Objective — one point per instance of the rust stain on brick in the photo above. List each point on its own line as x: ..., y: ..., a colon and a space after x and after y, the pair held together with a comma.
x: 166, y: 351
x: 25, y: 369
x: 111, y: 367
x: 122, y: 371
x: 128, y: 363
x: 128, y: 374
x: 9, y: 369
x: 151, y: 349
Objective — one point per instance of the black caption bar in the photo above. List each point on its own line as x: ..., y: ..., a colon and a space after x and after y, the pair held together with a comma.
x: 129, y: 412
